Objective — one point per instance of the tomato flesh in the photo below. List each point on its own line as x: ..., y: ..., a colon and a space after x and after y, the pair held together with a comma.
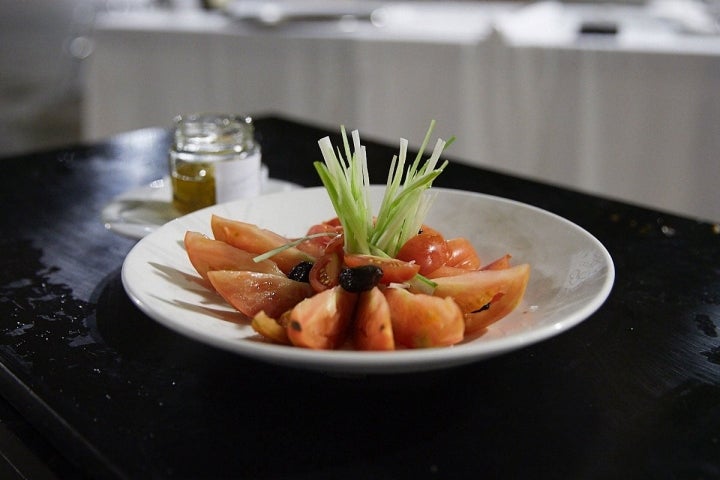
x: 322, y: 321
x: 423, y: 321
x: 325, y: 272
x: 373, y: 326
x: 485, y: 296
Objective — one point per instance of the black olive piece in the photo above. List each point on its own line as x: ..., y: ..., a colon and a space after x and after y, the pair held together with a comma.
x: 360, y: 279
x: 301, y: 272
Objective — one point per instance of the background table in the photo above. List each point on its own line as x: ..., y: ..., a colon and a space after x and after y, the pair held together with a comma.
x: 96, y: 388
x: 633, y: 114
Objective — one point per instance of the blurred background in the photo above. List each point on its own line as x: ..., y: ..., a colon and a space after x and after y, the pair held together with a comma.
x: 615, y: 98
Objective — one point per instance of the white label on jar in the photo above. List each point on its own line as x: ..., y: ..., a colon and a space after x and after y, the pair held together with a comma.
x: 240, y: 178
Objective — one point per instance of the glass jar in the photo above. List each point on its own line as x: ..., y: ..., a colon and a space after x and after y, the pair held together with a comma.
x: 213, y: 159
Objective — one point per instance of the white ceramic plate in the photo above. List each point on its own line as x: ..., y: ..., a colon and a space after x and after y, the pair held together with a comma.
x: 142, y: 210
x: 572, y: 275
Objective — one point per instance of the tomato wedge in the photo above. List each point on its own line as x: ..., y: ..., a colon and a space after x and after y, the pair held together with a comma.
x: 428, y: 249
x: 423, y: 321
x: 317, y: 246
x: 373, y: 326
x: 206, y: 254
x: 325, y: 272
x: 394, y: 270
x: 252, y: 292
x: 322, y: 321
x: 254, y: 239
x: 462, y: 254
x: 485, y: 296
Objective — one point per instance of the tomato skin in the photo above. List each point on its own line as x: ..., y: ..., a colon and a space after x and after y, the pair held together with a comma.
x: 427, y: 249
x: 325, y: 272
x: 394, y: 270
x: 462, y: 254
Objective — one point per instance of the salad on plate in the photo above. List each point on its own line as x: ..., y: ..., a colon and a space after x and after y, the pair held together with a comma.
x: 362, y: 280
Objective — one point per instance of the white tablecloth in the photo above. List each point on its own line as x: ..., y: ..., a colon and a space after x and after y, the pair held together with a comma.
x: 635, y: 115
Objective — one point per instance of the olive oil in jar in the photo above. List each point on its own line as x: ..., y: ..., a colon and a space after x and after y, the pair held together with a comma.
x: 193, y: 185
x: 213, y: 159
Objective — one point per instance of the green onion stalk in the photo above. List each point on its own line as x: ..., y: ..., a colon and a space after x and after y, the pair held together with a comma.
x: 404, y: 206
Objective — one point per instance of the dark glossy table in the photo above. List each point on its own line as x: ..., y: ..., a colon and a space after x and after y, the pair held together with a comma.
x: 94, y: 388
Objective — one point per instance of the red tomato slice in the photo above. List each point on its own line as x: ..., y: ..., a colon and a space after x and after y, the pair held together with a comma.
x: 423, y: 321
x: 485, y: 296
x: 253, y: 292
x: 427, y: 249
x: 323, y: 320
x: 373, y: 326
x: 325, y: 272
x: 207, y: 254
x: 394, y: 270
x: 462, y: 254
x: 254, y: 239
x: 317, y: 246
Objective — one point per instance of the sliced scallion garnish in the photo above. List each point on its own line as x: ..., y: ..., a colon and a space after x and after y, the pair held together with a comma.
x: 402, y: 210
x: 405, y: 202
x: 294, y: 243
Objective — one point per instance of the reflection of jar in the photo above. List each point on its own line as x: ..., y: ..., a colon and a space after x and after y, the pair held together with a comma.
x: 213, y: 159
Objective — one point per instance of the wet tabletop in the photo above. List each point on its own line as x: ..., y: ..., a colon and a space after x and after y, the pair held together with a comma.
x: 100, y: 390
